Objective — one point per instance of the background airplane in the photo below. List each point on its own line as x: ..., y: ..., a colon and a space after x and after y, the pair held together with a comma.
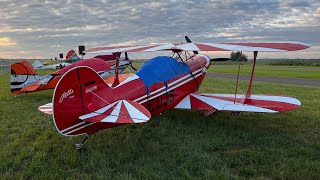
x: 38, y: 65
x: 71, y: 57
x: 24, y: 79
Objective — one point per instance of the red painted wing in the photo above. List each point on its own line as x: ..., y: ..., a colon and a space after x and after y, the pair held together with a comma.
x: 227, y: 102
x: 138, y: 48
x: 240, y: 46
x: 245, y: 46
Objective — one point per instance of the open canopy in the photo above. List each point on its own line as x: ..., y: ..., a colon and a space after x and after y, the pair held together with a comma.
x: 227, y: 46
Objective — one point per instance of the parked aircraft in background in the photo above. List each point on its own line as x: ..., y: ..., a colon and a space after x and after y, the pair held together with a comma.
x: 72, y: 57
x: 38, y: 65
x: 24, y: 79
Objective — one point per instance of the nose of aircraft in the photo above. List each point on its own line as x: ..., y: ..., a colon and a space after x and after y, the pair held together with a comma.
x: 208, y: 61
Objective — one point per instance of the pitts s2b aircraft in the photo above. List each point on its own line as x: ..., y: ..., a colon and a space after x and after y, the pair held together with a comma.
x: 84, y: 104
x: 24, y: 79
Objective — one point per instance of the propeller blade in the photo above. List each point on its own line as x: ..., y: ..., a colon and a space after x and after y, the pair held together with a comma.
x: 189, y: 41
x: 220, y: 59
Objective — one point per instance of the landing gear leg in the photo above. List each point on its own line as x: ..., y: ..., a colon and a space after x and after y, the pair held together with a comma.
x: 80, y: 145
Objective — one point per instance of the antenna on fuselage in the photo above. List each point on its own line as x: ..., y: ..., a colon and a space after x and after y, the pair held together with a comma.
x: 189, y: 41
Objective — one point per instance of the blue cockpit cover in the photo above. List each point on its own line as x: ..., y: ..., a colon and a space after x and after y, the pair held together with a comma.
x: 161, y: 69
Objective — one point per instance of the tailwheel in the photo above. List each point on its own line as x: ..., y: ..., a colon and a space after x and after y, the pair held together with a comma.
x: 80, y: 145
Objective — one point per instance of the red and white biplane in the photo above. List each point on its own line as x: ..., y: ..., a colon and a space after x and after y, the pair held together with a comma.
x: 84, y: 104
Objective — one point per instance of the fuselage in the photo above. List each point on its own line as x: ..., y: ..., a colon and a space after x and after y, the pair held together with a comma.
x: 165, y: 95
x: 157, y: 97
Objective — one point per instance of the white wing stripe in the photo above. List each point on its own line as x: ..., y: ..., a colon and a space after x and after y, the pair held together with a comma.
x: 230, y: 106
x: 135, y: 114
x: 262, y: 97
x: 215, y: 103
x: 189, y: 47
x: 246, y: 108
x: 184, y: 104
x: 113, y: 117
x: 160, y: 47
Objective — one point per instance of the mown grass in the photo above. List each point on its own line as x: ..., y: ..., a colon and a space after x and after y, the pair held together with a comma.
x: 280, y: 62
x: 178, y: 144
x: 294, y: 62
x: 308, y: 72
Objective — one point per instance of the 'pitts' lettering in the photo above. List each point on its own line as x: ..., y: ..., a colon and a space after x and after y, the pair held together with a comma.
x: 65, y: 95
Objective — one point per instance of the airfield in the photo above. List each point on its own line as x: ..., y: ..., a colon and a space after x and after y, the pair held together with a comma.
x: 178, y: 144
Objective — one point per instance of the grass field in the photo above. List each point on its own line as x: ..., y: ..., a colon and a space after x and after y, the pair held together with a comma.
x: 178, y: 144
x: 309, y: 72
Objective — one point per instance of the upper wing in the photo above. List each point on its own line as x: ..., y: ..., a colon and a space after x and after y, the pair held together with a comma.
x: 228, y: 102
x: 138, y: 48
x: 245, y: 46
x: 241, y: 46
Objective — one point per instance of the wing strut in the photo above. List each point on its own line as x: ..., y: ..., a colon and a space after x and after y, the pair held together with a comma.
x: 116, y: 74
x: 235, y: 93
x: 255, y: 53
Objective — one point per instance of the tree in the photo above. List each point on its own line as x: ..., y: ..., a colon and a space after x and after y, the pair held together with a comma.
x: 236, y: 56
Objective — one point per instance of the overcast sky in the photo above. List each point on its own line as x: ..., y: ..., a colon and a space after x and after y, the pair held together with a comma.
x: 43, y: 29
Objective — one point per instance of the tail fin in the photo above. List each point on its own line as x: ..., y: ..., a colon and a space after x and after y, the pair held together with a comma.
x: 72, y: 57
x: 79, y: 91
x: 22, y: 74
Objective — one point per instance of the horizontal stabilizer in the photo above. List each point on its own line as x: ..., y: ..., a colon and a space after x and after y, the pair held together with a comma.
x: 228, y: 102
x: 47, y: 108
x: 122, y: 111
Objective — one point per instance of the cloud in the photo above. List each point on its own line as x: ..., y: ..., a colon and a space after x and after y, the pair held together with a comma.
x: 46, y: 28
x: 5, y: 41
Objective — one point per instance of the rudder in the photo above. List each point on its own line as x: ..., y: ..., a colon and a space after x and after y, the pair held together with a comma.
x: 80, y: 91
x: 72, y: 57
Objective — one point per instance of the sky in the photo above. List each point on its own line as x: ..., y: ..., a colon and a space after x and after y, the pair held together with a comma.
x: 43, y: 29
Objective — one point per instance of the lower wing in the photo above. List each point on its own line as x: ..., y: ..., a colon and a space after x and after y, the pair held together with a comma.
x: 230, y: 102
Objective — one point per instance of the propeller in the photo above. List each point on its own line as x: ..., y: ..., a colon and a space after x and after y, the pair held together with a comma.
x: 189, y: 41
x: 220, y: 59
x: 196, y: 52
